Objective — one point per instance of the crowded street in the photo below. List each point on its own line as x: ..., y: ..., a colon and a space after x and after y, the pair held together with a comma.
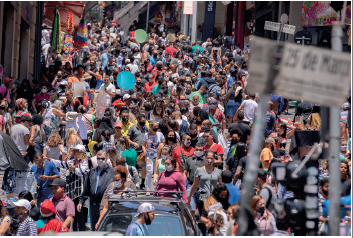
x: 176, y: 118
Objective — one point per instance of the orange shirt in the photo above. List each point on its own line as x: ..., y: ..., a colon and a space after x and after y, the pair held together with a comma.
x: 72, y: 80
x: 266, y: 156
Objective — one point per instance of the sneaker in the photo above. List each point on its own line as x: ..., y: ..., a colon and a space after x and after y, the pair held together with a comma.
x: 142, y: 187
x: 148, y: 194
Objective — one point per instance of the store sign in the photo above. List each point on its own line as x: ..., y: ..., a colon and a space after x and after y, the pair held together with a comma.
x: 313, y: 74
x: 274, y: 26
x: 188, y: 7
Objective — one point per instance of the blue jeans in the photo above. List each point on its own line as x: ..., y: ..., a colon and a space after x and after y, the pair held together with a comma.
x: 193, y: 200
x: 47, y: 133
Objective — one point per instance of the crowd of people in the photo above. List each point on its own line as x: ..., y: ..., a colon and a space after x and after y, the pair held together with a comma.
x: 185, y: 126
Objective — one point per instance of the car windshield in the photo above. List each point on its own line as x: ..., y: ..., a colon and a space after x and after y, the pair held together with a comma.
x: 161, y: 226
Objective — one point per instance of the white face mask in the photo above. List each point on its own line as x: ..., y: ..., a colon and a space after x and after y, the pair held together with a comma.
x: 343, y: 148
x: 169, y: 168
x: 43, y: 90
x: 75, y: 72
x: 101, y: 163
x: 159, y: 111
x: 164, y: 157
x: 117, y: 184
x: 199, y: 153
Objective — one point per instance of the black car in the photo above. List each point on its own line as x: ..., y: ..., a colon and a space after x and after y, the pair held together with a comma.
x: 172, y: 217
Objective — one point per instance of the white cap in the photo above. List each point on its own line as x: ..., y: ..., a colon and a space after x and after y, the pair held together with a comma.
x: 64, y: 82
x: 126, y: 96
x: 346, y: 105
x: 23, y: 203
x: 80, y: 148
x: 127, y: 61
x: 170, y: 84
x: 145, y: 207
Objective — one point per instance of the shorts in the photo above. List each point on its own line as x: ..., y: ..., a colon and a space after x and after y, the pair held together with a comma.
x: 193, y: 200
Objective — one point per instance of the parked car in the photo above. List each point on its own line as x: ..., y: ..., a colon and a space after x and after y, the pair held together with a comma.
x: 172, y: 217
x: 84, y: 233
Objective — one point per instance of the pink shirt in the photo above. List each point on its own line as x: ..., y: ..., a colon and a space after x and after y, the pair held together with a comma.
x: 171, y: 181
x: 40, y: 97
x: 64, y: 208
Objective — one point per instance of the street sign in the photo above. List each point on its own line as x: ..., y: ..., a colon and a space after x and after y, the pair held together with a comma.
x: 274, y: 26
x: 313, y: 74
x: 260, y: 64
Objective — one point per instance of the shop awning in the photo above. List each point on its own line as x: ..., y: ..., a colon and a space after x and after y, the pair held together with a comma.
x: 76, y: 7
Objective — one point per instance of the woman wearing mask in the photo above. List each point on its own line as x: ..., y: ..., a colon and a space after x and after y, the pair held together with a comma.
x: 281, y: 131
x: 221, y: 193
x: 119, y: 191
x: 150, y: 84
x: 171, y: 180
x: 137, y: 56
x: 206, y: 178
x: 87, y: 118
x: 37, y: 101
x: 21, y: 109
x: 158, y: 113
x: 263, y: 218
x: 72, y: 139
x: 37, y: 134
x: 162, y: 154
x: 53, y: 147
x: 4, y: 111
x: 123, y: 147
x: 52, y: 118
x: 151, y: 141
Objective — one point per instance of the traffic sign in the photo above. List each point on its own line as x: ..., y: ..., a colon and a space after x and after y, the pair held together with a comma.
x: 314, y: 75
x: 274, y: 26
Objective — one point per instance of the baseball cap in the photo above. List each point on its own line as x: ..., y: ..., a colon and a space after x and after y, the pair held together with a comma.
x: 26, y: 118
x: 118, y: 124
x: 6, y: 80
x: 57, y: 182
x: 214, y: 101
x: 23, y: 203
x: 145, y: 207
x: 80, y: 148
x: 127, y: 61
x: 47, y: 208
x: 346, y: 105
x: 64, y: 83
x: 126, y: 96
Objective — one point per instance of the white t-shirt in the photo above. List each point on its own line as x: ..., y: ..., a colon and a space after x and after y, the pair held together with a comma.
x: 153, y: 142
x: 18, y: 133
x: 250, y: 109
x: 111, y: 89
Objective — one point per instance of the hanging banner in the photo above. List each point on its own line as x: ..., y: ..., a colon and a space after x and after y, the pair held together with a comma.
x: 159, y: 15
x: 188, y: 7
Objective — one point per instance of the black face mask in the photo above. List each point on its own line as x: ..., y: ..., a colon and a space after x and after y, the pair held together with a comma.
x: 148, y: 220
x: 155, y: 129
x: 193, y: 135
x: 138, y: 83
x: 272, y: 148
x: 261, y: 210
x: 171, y: 139
x: 142, y: 123
x: 165, y: 91
x: 2, y: 108
x: 325, y: 192
x: 124, y: 119
x: 234, y: 141
x: 155, y: 55
x: 210, y: 231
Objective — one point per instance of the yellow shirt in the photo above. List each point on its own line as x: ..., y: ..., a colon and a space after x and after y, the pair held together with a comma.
x: 126, y: 128
x: 266, y: 155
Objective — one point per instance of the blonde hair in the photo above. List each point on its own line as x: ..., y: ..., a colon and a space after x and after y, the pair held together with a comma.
x: 69, y: 132
x: 209, y: 201
x: 195, y: 95
x: 219, y: 219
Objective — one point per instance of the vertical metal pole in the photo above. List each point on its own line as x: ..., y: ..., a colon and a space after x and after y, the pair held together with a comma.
x: 148, y: 15
x: 303, y: 41
x: 280, y: 32
x: 334, y: 147
x: 194, y: 22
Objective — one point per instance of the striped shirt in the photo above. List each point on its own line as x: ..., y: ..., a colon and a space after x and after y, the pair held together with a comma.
x: 123, y: 195
x: 27, y: 228
x: 106, y: 145
x: 80, y: 170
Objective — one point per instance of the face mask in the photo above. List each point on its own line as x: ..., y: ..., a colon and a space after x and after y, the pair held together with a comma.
x: 166, y: 79
x: 234, y: 141
x: 117, y: 184
x: 188, y: 91
x: 124, y: 119
x: 168, y: 168
x: 120, y: 148
x: 43, y: 90
x: 142, y: 70
x: 101, y: 163
x: 59, y: 195
x: 193, y: 135
x: 171, y: 139
x: 159, y: 111
x: 155, y: 55
x: 142, y: 123
x: 138, y: 83
x: 272, y: 148
x: 20, y: 215
x: 148, y: 220
x: 155, y: 129
x: 199, y: 153
x: 325, y: 192
x: 204, y: 128
x: 75, y: 72
x: 261, y: 210
x: 187, y: 143
x: 209, y: 161
x: 2, y: 107
x: 343, y: 148
x: 164, y: 157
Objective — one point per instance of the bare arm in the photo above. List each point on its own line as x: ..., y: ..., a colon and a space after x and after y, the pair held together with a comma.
x: 291, y: 132
x: 237, y: 175
x: 58, y: 113
x: 185, y: 173
x: 103, y: 212
x: 67, y: 221
x: 219, y: 160
x: 4, y: 227
x: 193, y: 188
x: 63, y: 152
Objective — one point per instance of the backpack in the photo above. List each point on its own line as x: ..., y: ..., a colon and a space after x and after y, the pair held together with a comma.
x: 9, y: 181
x: 269, y: 198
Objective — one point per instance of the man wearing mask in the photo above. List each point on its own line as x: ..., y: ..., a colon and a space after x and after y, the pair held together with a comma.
x: 94, y: 72
x: 138, y: 87
x: 64, y: 206
x: 121, y: 57
x: 206, y: 80
x: 74, y: 78
x: 96, y: 182
x: 183, y: 152
x: 103, y: 60
x: 27, y: 226
x: 109, y: 90
x: 153, y: 58
x: 266, y: 154
x: 71, y: 104
x: 109, y: 68
x: 160, y: 80
x: 207, y: 125
x: 125, y: 121
x: 20, y: 134
x: 195, y: 138
x: 322, y: 197
x: 198, y: 160
x: 202, y: 92
x: 145, y: 216
x: 245, y: 128
x: 45, y: 172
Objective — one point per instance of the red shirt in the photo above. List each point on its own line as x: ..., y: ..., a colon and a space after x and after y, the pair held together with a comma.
x: 217, y: 148
x: 40, y: 97
x: 149, y: 86
x: 170, y: 50
x: 219, y: 115
x: 177, y: 152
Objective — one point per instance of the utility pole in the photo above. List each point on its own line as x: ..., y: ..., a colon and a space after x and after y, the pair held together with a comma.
x: 148, y: 15
x: 194, y: 23
x: 334, y: 146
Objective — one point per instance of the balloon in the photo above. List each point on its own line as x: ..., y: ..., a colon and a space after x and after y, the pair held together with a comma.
x: 140, y: 35
x: 126, y: 80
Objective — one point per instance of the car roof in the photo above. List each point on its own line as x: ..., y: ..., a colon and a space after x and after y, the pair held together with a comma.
x: 85, y: 233
x: 131, y: 205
